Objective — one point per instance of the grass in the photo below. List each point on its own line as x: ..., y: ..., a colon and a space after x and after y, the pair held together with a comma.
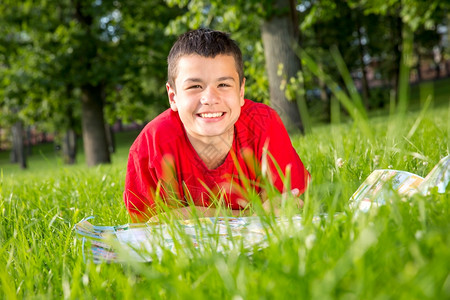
x: 400, y: 251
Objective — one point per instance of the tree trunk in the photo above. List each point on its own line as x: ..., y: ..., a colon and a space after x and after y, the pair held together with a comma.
x: 70, y: 139
x: 278, y: 38
x: 93, y: 125
x: 438, y: 58
x: 447, y: 68
x: 18, y: 148
x: 44, y: 137
x: 437, y: 71
x: 29, y: 143
x: 119, y: 125
x: 110, y: 138
x: 69, y: 147
x: 418, y: 65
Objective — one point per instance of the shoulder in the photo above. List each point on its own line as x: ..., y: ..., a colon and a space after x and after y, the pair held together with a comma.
x: 251, y: 107
x: 257, y: 115
x: 163, y: 129
x: 167, y: 121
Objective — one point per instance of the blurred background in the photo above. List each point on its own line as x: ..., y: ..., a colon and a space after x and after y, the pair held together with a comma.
x: 74, y: 73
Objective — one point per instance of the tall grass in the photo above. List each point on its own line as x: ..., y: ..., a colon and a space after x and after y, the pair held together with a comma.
x: 400, y: 251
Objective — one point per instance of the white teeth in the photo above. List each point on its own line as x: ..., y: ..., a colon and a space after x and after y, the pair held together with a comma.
x: 211, y: 115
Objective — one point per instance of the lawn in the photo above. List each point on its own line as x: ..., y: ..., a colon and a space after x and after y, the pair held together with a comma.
x: 400, y: 251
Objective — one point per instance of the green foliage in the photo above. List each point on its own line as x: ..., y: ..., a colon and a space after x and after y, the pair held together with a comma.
x: 413, y: 12
x: 369, y: 32
x: 50, y: 50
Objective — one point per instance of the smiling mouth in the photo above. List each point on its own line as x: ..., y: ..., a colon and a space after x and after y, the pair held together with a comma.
x: 211, y: 115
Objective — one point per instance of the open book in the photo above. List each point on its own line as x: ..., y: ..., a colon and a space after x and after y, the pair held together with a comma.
x: 381, y: 184
x: 144, y: 242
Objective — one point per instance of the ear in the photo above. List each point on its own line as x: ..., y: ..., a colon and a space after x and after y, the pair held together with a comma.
x: 171, y: 93
x: 242, y: 92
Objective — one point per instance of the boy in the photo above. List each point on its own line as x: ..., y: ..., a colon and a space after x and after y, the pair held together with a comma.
x: 212, y: 145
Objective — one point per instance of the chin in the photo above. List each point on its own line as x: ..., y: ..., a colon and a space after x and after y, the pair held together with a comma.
x: 212, y: 134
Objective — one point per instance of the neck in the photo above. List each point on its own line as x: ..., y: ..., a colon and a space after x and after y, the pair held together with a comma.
x: 213, y: 150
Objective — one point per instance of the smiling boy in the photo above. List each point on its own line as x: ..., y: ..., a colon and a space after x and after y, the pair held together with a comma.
x: 211, y: 143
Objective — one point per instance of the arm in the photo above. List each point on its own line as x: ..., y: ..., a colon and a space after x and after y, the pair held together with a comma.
x: 140, y: 185
x: 282, y: 154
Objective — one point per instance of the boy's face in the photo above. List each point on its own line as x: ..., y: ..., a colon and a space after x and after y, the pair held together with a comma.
x: 208, y: 95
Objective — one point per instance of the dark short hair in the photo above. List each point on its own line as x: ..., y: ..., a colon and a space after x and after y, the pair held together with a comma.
x: 204, y: 42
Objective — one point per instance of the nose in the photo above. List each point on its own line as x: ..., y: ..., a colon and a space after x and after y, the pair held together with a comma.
x: 209, y: 97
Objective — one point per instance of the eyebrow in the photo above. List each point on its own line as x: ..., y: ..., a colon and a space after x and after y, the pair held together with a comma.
x: 192, y: 79
x: 224, y: 78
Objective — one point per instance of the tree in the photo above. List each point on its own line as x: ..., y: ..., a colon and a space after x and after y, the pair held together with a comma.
x: 279, y: 31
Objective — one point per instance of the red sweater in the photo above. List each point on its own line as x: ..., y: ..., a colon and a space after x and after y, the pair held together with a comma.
x: 162, y: 159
